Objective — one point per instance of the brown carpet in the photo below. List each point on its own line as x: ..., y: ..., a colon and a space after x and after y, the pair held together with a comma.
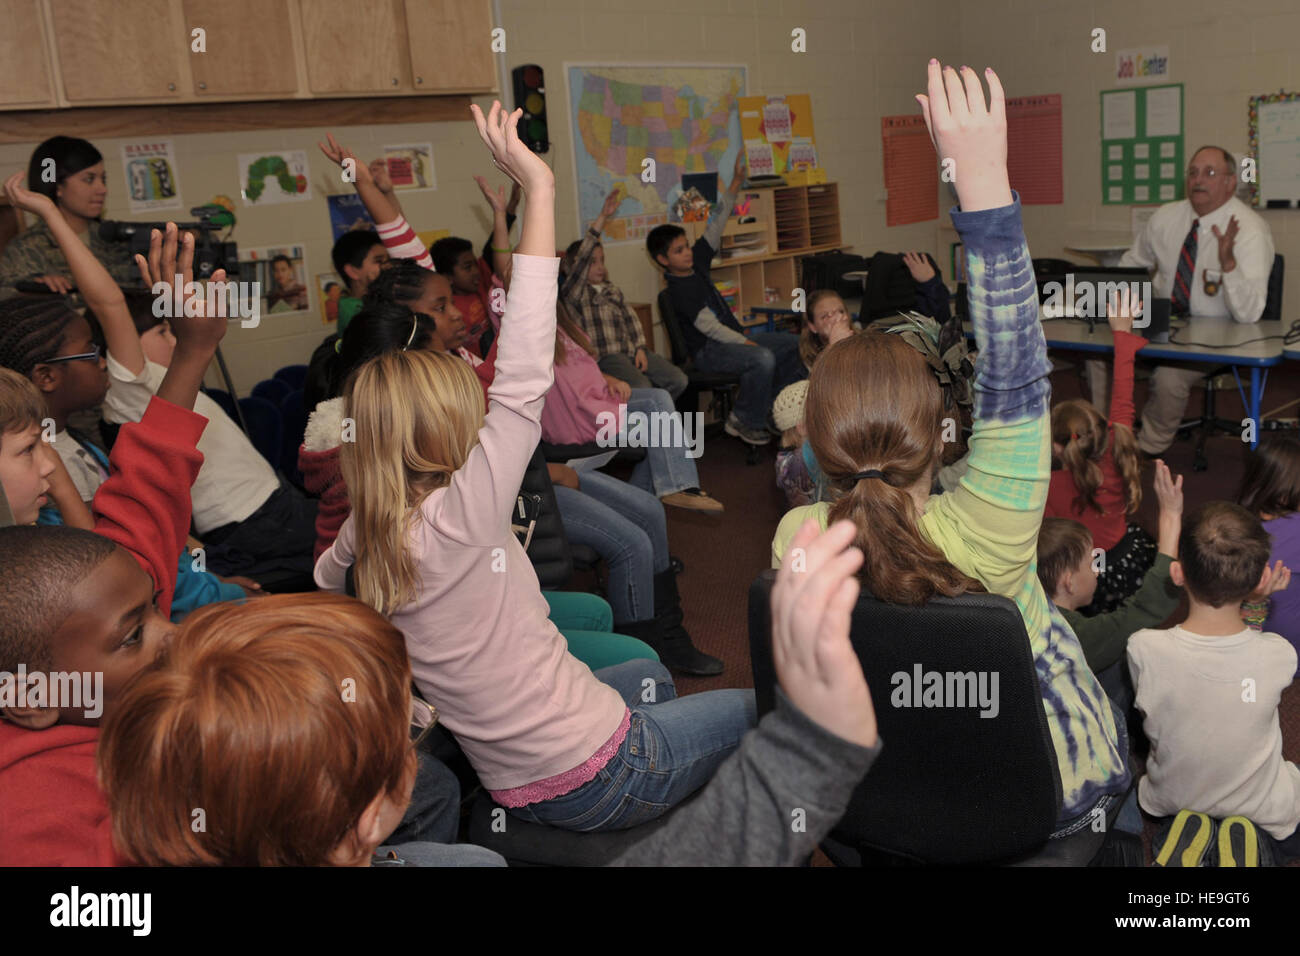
x: 723, y: 554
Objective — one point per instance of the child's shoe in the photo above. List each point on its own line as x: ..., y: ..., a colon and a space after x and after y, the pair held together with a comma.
x: 1186, y: 841
x: 749, y: 436
x: 1241, y: 844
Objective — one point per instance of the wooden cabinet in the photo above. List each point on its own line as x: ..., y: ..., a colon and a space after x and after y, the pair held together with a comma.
x: 125, y: 51
x: 348, y: 53
x: 248, y: 49
x: 26, y: 80
x: 450, y: 44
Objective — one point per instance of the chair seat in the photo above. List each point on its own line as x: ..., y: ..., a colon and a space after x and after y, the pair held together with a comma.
x: 531, y: 844
x: 562, y: 453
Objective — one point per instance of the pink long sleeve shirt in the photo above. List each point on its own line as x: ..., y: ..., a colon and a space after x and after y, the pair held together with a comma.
x: 532, y: 719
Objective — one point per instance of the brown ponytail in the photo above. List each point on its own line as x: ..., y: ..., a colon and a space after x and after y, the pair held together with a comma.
x: 873, y: 404
x: 1083, y: 434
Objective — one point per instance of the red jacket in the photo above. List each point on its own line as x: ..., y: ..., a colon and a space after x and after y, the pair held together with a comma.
x: 52, y: 812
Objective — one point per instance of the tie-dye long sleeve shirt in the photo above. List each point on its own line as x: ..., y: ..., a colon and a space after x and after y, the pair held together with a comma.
x: 988, y: 526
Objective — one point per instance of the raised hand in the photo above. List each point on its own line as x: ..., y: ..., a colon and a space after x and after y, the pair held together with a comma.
x: 496, y: 197
x: 919, y: 266
x: 340, y: 155
x: 38, y: 204
x: 612, y: 202
x: 499, y: 131
x: 1121, y: 308
x: 620, y: 389
x: 513, y: 204
x: 1227, y: 239
x: 971, y: 134
x: 378, y: 170
x: 1274, y: 579
x: 812, y: 605
x: 1169, y: 490
x: 171, y: 255
x: 738, y: 171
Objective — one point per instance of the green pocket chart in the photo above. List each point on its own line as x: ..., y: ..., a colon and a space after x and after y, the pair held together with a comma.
x: 1142, y: 144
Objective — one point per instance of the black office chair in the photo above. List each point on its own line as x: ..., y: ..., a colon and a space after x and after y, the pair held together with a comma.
x: 950, y: 787
x: 1208, y: 423
x: 722, y: 386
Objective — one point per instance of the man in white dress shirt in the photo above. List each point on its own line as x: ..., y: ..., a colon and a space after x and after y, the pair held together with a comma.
x: 1225, y: 276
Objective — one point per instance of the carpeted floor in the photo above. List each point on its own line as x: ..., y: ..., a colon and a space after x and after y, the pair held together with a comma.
x: 723, y: 554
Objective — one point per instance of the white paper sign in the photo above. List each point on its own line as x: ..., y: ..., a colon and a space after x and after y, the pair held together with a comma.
x: 1142, y: 65
x: 1116, y: 193
x: 1141, y: 150
x: 1167, y: 191
x: 1141, y: 194
x: 1142, y: 171
x: 1115, y: 151
x: 1164, y: 112
x: 1119, y: 115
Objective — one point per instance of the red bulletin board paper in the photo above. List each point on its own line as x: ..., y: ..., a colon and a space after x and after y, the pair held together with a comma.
x: 1034, y: 149
x: 911, y: 167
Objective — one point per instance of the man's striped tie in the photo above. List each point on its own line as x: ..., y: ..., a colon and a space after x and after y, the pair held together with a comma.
x: 1182, y: 291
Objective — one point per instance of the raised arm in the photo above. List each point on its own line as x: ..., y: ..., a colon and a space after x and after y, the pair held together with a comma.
x: 97, y: 288
x: 394, y: 231
x: 499, y: 244
x: 1120, y: 316
x: 577, y: 274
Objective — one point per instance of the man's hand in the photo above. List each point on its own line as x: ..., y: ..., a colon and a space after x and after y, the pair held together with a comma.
x: 1120, y: 309
x: 972, y: 135
x: 919, y: 266
x: 812, y: 609
x: 1227, y: 239
x: 641, y: 361
x: 562, y: 475
x: 621, y: 389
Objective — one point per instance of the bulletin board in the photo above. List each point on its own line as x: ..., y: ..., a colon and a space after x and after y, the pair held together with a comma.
x: 778, y: 133
x: 1142, y: 145
x: 1275, y: 144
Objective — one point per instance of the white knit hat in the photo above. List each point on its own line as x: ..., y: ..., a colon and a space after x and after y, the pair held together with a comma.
x: 787, y: 410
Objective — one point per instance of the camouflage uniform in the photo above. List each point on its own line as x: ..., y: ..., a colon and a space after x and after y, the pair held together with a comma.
x: 34, y: 252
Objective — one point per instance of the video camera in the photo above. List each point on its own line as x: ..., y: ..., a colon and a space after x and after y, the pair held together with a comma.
x: 210, y: 253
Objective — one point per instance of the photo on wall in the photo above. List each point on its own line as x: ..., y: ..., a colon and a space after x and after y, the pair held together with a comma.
x: 328, y: 292
x: 282, y: 272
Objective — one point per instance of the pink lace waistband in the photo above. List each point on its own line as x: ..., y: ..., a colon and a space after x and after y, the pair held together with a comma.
x: 570, y: 780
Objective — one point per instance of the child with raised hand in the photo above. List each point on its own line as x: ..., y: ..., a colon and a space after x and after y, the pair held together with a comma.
x: 874, y: 416
x: 432, y: 482
x: 603, y: 314
x: 1270, y: 490
x: 1099, y: 483
x: 97, y: 603
x: 1068, y: 570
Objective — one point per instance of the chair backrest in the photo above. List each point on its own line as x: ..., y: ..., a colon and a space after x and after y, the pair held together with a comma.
x: 272, y: 389
x: 222, y: 398
x: 265, y: 429
x: 293, y: 417
x: 549, y: 548
x: 292, y: 375
x: 1273, y: 303
x: 950, y: 786
x: 676, y: 340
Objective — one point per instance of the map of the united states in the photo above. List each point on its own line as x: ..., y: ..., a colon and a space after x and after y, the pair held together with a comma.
x: 684, y: 118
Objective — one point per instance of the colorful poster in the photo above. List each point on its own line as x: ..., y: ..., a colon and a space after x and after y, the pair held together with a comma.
x: 778, y: 132
x: 282, y: 272
x: 410, y: 166
x: 1141, y: 144
x: 151, y: 180
x: 328, y: 292
x: 910, y: 169
x: 347, y: 213
x: 267, y: 178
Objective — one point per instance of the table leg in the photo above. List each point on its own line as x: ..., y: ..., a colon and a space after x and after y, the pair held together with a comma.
x: 1256, y: 399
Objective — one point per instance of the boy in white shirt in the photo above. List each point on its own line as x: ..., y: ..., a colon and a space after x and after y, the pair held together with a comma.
x: 1209, y: 692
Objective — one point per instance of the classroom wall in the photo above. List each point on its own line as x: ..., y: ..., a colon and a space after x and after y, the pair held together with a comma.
x: 1222, y: 54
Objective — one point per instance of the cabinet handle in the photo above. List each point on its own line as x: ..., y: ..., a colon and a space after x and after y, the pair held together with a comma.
x: 419, y: 79
x: 172, y: 87
x: 203, y: 86
x: 394, y: 81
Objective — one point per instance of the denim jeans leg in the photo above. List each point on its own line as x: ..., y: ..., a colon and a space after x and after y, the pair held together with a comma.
x: 664, y: 374
x: 789, y: 366
x: 755, y: 366
x: 641, y: 508
x: 625, y: 548
x: 665, y: 468
x: 629, y: 680
x: 433, y: 815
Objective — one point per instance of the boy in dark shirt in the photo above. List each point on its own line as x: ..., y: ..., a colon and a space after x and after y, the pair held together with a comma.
x: 765, y: 361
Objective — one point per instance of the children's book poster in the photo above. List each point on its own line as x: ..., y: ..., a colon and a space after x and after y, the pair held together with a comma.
x: 410, y: 166
x: 347, y: 213
x: 151, y: 180
x: 778, y: 133
x: 328, y: 292
x: 282, y: 272
x: 268, y: 178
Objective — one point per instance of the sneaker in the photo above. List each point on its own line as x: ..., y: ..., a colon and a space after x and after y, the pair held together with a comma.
x: 692, y: 499
x: 1186, y: 841
x: 1240, y: 844
x: 750, y: 436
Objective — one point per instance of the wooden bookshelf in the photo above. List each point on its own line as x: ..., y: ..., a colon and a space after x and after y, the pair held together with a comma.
x: 790, y: 222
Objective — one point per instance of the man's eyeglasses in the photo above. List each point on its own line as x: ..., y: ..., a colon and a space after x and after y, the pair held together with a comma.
x: 91, y: 356
x: 1209, y: 172
x: 424, y: 717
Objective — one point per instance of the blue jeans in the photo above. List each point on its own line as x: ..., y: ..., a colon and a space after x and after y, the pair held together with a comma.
x: 763, y: 371
x: 627, y: 528
x: 672, y: 749
x: 665, y: 469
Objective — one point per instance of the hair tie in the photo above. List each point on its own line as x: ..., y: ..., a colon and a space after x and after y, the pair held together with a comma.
x: 869, y: 473
x: 415, y: 323
x: 338, y: 345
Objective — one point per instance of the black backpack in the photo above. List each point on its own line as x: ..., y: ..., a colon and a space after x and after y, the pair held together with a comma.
x: 890, y: 287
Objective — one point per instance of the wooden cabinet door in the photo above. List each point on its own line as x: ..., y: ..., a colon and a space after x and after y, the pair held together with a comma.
x: 25, y: 77
x: 126, y: 51
x: 250, y: 48
x: 352, y: 53
x: 451, y: 45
